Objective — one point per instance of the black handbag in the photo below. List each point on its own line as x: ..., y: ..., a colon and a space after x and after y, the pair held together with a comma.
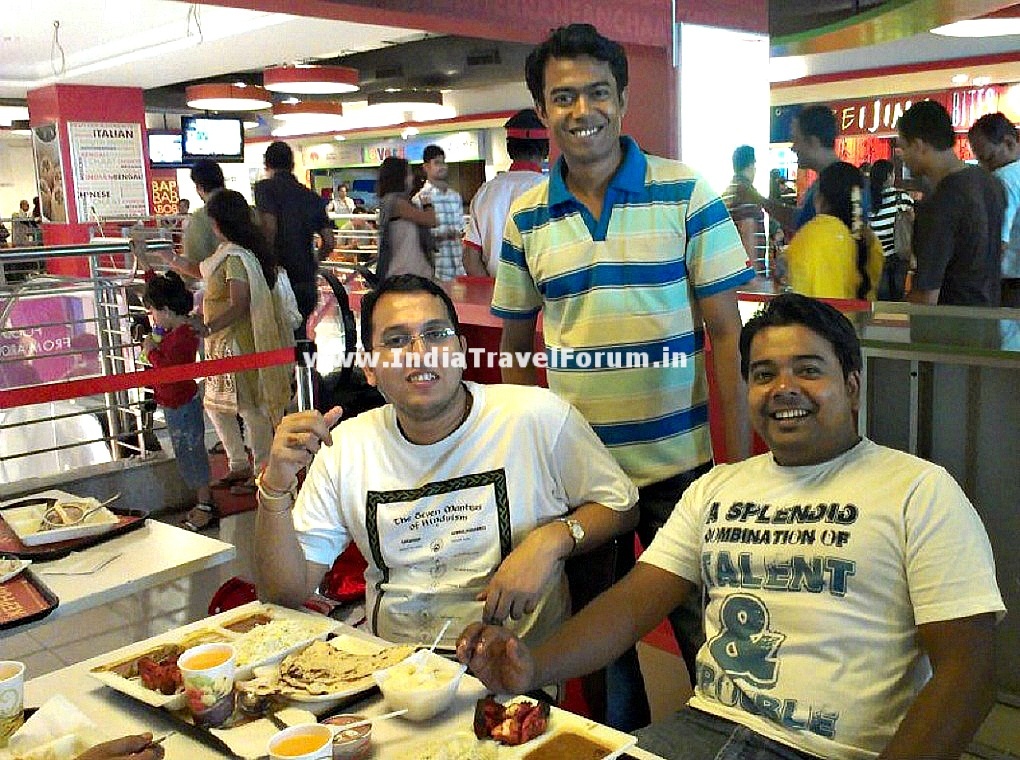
x: 346, y: 386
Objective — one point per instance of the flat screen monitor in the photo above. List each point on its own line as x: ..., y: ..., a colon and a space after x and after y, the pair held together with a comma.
x: 215, y: 137
x: 165, y: 150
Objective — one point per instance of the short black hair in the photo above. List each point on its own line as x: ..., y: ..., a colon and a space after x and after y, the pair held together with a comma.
x: 574, y: 41
x: 432, y: 151
x: 995, y: 128
x: 742, y: 158
x: 929, y: 122
x: 818, y: 121
x: 526, y: 136
x: 207, y: 174
x: 821, y: 318
x: 402, y: 283
x: 168, y: 291
x: 279, y: 157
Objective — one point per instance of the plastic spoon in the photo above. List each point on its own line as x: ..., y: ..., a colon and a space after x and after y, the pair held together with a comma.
x: 368, y: 721
x: 439, y: 636
x: 50, y: 516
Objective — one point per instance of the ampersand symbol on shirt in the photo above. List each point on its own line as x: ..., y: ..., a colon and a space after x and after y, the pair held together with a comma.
x: 745, y: 647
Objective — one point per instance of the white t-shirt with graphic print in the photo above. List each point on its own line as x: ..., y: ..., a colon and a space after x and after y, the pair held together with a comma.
x: 434, y: 522
x: 816, y: 579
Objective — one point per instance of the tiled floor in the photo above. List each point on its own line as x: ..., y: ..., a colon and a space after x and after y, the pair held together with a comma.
x: 63, y: 642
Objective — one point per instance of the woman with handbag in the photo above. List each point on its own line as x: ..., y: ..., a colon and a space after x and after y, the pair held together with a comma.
x: 891, y: 208
x: 240, y: 316
x: 405, y: 237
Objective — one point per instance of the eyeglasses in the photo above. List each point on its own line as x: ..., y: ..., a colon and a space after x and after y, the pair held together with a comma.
x: 430, y: 338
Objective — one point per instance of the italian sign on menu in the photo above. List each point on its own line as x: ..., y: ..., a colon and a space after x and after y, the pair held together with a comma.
x: 109, y: 170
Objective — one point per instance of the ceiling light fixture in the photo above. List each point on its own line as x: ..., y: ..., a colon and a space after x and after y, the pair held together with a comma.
x: 308, y: 117
x: 311, y: 80
x: 12, y: 113
x: 981, y: 81
x: 227, y: 97
x: 959, y: 78
x: 980, y: 27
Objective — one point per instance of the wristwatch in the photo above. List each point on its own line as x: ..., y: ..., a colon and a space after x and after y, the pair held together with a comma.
x: 576, y: 531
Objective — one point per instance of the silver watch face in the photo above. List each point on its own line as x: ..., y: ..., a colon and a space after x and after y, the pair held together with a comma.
x: 576, y: 530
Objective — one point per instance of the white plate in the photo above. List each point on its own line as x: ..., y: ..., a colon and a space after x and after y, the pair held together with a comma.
x: 26, y: 520
x: 133, y: 687
x: 17, y: 567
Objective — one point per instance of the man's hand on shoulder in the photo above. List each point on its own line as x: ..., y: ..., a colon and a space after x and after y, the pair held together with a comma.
x: 497, y: 658
x: 518, y: 583
x: 298, y: 438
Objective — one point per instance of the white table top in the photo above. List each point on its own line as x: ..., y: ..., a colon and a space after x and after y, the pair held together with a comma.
x: 152, y: 555
x: 119, y: 714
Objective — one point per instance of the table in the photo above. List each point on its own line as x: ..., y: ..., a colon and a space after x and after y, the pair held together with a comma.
x: 119, y: 714
x: 152, y: 555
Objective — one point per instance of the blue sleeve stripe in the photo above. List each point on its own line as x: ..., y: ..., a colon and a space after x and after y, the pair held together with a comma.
x: 650, y: 431
x: 507, y: 314
x: 513, y: 255
x: 613, y: 275
x: 727, y: 283
x: 629, y: 356
x: 706, y: 217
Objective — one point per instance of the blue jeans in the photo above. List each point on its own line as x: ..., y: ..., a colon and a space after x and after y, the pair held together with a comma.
x: 694, y: 735
x: 626, y: 700
x: 187, y: 436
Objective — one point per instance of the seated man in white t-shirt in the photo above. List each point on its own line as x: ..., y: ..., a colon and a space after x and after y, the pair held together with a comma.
x: 850, y: 593
x: 465, y: 499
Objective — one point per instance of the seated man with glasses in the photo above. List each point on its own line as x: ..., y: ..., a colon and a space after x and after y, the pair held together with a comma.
x: 465, y: 499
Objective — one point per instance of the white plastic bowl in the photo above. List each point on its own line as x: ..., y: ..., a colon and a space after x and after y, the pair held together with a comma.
x: 424, y: 684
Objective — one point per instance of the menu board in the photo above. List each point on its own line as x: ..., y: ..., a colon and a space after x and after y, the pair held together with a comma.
x: 108, y: 166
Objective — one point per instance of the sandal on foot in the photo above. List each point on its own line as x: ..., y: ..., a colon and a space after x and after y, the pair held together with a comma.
x: 201, y: 517
x: 232, y: 478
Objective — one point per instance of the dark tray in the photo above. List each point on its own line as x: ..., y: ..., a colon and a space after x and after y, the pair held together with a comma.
x: 10, y: 544
x: 24, y: 599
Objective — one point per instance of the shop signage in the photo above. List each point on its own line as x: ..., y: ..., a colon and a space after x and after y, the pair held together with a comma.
x: 466, y: 145
x: 49, y: 173
x: 878, y: 116
x: 109, y: 169
x: 165, y: 194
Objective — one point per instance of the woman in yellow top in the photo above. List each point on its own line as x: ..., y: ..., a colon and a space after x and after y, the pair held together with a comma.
x: 836, y: 255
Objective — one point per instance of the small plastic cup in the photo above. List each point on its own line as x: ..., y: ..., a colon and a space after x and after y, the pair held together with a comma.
x: 349, y: 743
x: 208, y: 675
x: 313, y: 741
x: 12, y: 698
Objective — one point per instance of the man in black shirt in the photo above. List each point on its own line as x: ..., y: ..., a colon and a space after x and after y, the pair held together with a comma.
x: 957, y: 228
x: 289, y: 215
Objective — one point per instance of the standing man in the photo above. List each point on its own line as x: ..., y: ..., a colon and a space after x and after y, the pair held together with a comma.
x: 958, y: 227
x: 21, y: 227
x: 449, y: 212
x: 625, y: 254
x: 814, y: 133
x: 527, y: 143
x: 995, y: 142
x: 289, y: 215
x: 341, y: 203
x: 744, y: 211
x: 199, y: 238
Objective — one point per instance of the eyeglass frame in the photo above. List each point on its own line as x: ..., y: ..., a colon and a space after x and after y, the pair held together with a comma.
x: 426, y: 341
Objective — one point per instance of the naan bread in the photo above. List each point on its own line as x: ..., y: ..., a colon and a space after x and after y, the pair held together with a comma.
x: 324, y: 669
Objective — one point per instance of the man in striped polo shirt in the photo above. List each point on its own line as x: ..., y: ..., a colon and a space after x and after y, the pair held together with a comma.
x: 632, y: 258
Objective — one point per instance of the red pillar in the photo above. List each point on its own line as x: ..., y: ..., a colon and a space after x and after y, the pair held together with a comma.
x: 58, y: 105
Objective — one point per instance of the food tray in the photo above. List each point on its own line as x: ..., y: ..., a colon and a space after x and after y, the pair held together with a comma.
x: 10, y: 543
x: 118, y: 669
x: 24, y: 599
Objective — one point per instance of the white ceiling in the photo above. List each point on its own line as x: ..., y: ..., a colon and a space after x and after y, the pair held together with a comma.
x: 151, y: 43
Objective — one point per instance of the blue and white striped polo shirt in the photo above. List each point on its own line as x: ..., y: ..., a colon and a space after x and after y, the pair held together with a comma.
x: 620, y: 297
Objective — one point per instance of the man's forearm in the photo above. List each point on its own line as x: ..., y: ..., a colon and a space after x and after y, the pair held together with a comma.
x: 472, y: 258
x: 280, y: 566
x: 610, y: 624
x: 517, y: 340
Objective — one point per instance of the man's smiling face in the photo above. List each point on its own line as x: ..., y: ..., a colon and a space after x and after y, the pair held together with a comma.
x: 800, y: 401
x: 582, y: 108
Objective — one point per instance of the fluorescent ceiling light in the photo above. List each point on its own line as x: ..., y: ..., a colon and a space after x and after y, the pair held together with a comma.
x: 959, y: 78
x: 227, y: 97
x: 980, y: 27
x: 311, y: 80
